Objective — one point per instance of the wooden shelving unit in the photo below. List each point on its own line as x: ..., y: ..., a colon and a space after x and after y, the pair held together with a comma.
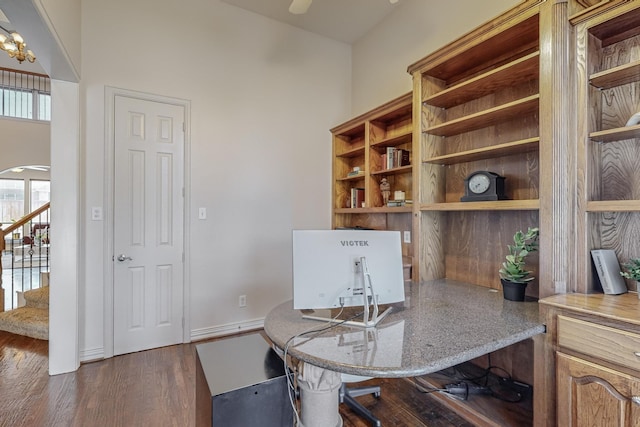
x: 362, y: 142
x: 480, y: 108
x: 486, y: 119
x: 607, y: 51
x: 540, y: 95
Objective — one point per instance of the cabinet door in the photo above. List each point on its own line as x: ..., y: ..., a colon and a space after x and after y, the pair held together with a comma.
x: 593, y: 395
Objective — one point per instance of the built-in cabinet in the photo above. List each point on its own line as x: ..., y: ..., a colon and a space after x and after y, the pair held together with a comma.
x: 594, y: 341
x: 479, y: 110
x: 591, y: 362
x: 541, y: 95
x: 608, y: 63
x: 368, y: 149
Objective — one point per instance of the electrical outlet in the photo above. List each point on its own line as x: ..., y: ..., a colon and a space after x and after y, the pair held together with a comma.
x: 242, y: 301
x: 407, y: 237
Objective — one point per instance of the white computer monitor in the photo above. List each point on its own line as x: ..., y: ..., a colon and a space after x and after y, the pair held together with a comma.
x: 336, y: 268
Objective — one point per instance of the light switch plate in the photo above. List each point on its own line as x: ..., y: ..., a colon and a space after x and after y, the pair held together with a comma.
x: 96, y: 213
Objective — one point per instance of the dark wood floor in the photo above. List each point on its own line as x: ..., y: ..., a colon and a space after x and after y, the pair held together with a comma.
x: 153, y: 388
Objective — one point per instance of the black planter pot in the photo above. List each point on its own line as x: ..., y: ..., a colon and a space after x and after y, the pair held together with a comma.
x: 513, y: 291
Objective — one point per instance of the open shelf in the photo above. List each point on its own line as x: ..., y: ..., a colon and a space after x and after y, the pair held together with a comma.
x: 493, y: 151
x: 613, y: 206
x: 354, y: 152
x: 394, y: 114
x: 497, y: 205
x: 394, y: 171
x: 617, y: 134
x: 616, y: 76
x: 487, y: 118
x: 489, y: 47
x: 394, y: 141
x: 352, y: 178
x: 485, y: 410
x: 521, y: 70
x: 384, y: 209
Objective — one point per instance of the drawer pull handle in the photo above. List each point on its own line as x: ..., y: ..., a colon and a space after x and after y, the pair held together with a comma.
x: 636, y: 400
x: 637, y: 353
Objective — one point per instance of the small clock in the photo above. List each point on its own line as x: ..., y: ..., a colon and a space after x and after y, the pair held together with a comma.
x: 483, y: 186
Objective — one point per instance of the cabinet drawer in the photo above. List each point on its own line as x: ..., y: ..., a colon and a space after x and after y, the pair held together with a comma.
x: 610, y: 344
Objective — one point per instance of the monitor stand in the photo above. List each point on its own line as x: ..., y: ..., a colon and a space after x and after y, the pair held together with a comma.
x: 369, y: 320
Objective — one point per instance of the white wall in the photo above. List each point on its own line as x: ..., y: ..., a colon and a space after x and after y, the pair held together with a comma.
x: 24, y: 142
x: 414, y: 30
x: 263, y: 98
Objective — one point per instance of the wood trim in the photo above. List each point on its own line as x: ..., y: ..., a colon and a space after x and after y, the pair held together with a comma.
x: 24, y: 220
x: 519, y: 13
x: 557, y: 156
x: 504, y: 205
x: 31, y: 73
x: 383, y: 109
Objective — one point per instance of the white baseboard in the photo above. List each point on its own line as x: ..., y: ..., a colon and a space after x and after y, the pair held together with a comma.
x: 92, y: 354
x: 228, y: 329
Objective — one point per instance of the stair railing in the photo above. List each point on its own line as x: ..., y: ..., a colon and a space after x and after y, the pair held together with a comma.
x: 30, y: 236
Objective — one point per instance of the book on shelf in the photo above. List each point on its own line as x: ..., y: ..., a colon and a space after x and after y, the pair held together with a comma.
x: 608, y: 269
x: 393, y: 203
x: 357, y: 197
x: 395, y: 157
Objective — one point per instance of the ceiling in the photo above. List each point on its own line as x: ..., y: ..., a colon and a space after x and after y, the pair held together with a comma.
x: 342, y: 20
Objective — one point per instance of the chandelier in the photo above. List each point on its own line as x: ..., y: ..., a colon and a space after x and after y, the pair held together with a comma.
x: 15, y: 46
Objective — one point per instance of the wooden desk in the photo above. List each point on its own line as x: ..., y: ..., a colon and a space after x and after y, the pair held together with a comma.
x: 441, y: 324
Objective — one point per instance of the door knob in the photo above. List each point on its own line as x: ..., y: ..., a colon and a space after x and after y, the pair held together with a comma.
x: 122, y: 257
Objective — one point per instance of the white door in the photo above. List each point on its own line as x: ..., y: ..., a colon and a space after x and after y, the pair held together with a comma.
x: 148, y: 224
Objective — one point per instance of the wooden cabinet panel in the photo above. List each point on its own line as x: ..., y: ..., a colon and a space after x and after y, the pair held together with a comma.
x: 593, y: 395
x: 612, y: 344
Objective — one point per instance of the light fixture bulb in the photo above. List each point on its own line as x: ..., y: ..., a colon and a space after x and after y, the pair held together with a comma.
x: 17, y: 37
x: 15, y: 46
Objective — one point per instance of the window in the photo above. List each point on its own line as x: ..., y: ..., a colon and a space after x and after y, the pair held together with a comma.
x: 25, y: 95
x: 40, y: 193
x: 11, y: 200
x: 13, y: 204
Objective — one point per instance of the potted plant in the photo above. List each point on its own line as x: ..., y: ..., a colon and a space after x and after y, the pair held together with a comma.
x: 513, y: 274
x: 632, y: 272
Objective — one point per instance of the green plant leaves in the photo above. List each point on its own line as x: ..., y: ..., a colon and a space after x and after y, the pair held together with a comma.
x: 513, y: 269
